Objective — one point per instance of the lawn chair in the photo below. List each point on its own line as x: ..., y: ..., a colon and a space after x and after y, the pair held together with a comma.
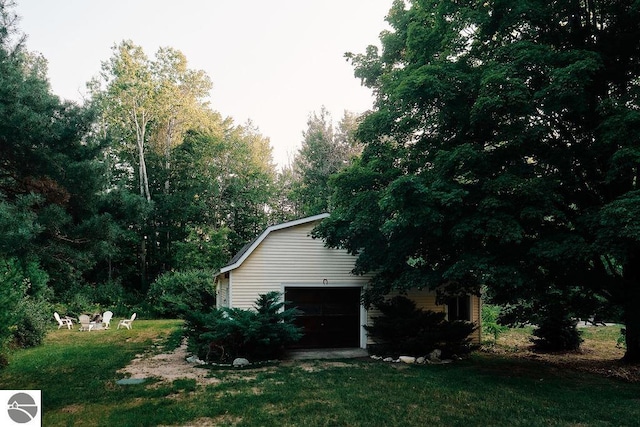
x: 85, y: 323
x: 127, y: 322
x: 63, y: 322
x: 106, y: 319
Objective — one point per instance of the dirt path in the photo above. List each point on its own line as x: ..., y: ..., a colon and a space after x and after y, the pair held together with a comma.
x: 594, y: 357
x: 167, y: 367
x: 174, y: 365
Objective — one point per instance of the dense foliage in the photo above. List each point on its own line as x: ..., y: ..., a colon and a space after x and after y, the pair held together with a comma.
x: 177, y: 293
x: 221, y: 335
x: 502, y: 151
x: 403, y: 329
x: 193, y: 187
x: 99, y: 200
x: 49, y: 178
x: 325, y: 150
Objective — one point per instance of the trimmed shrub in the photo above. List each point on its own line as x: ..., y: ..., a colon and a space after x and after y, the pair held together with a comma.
x: 404, y: 329
x: 259, y: 334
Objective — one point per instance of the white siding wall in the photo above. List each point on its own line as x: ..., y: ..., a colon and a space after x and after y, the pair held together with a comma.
x: 222, y: 292
x: 290, y: 257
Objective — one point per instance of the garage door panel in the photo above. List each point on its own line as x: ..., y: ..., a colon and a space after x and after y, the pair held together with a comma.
x: 330, y: 317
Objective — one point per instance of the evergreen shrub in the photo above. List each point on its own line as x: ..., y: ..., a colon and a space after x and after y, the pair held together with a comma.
x: 221, y: 335
x: 556, y: 331
x: 403, y: 329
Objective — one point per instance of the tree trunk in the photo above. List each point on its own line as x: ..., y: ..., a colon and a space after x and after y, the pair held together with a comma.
x: 167, y: 153
x: 632, y: 309
x: 144, y: 180
x: 141, y: 129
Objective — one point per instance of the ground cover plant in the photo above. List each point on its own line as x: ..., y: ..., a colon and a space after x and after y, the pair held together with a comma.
x: 77, y: 373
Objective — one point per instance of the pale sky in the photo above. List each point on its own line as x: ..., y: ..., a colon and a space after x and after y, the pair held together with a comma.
x: 271, y: 61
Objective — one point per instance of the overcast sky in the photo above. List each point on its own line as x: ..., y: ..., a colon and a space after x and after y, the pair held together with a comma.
x: 271, y: 61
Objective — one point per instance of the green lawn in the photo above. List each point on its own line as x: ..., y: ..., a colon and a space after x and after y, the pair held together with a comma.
x: 76, y: 372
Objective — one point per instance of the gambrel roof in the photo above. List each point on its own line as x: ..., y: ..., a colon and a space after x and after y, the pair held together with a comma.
x: 244, y: 253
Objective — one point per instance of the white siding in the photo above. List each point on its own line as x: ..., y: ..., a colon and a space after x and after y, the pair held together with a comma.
x: 222, y: 292
x: 476, y: 316
x: 289, y: 257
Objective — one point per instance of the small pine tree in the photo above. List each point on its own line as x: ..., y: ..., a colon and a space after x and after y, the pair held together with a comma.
x: 556, y: 331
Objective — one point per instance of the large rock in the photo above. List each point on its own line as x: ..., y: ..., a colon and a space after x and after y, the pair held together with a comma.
x: 196, y: 360
x: 407, y: 359
x: 434, y: 356
x: 239, y: 362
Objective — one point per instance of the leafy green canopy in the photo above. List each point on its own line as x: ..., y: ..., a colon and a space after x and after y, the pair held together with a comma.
x: 502, y: 151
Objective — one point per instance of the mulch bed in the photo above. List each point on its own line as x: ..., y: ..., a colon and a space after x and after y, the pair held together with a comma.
x: 596, y: 357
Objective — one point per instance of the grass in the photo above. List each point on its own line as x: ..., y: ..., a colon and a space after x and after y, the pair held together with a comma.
x: 77, y: 374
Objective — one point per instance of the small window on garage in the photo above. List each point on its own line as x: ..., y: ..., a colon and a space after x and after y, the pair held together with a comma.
x: 459, y: 308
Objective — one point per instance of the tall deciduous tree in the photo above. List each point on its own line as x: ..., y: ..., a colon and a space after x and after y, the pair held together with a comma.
x: 147, y: 105
x: 224, y: 180
x: 181, y: 102
x: 130, y: 102
x: 503, y: 151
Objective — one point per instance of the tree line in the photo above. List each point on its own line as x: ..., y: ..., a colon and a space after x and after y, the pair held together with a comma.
x: 500, y: 158
x: 99, y: 200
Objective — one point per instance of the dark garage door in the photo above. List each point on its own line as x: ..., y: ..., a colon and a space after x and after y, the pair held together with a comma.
x: 330, y: 317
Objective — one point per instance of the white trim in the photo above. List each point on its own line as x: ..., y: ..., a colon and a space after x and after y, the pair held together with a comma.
x: 264, y: 236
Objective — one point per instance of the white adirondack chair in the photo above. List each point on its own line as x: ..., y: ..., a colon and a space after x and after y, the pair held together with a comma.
x: 106, y: 319
x: 63, y: 322
x: 127, y: 322
x: 85, y: 322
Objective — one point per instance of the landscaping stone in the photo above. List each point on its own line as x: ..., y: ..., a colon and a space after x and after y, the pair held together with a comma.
x: 195, y: 360
x: 239, y: 362
x: 130, y: 381
x: 408, y: 359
